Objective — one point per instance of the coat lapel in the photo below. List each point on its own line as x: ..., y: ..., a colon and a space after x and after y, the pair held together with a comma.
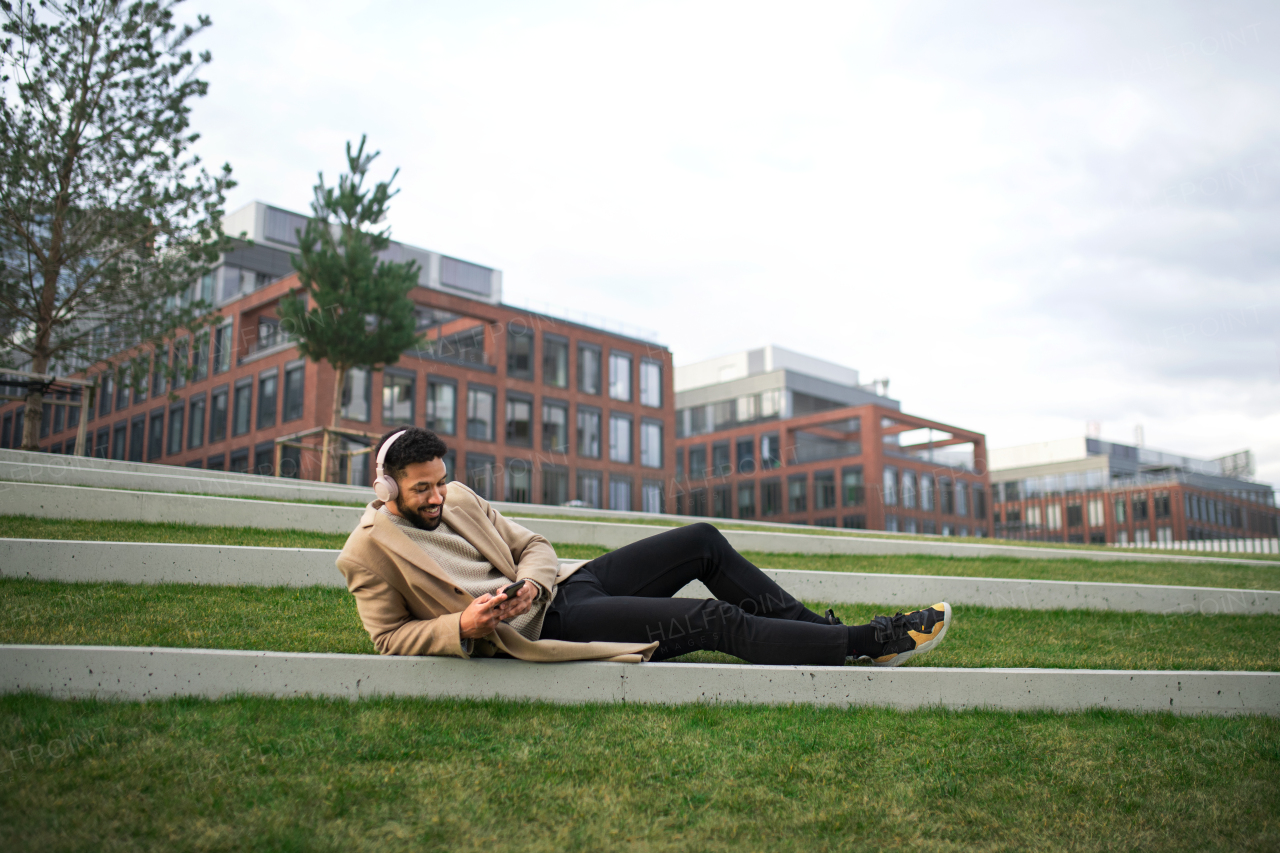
x: 389, y: 536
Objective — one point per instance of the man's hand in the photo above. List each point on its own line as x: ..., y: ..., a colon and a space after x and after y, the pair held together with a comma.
x: 482, y: 615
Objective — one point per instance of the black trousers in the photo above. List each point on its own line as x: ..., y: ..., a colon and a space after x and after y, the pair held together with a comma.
x: 625, y: 596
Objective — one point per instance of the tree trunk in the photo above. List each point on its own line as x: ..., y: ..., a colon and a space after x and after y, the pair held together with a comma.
x: 334, y: 446
x: 35, y: 409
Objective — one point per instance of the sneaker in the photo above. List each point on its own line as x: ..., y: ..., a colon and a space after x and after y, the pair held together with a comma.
x: 909, y: 634
x: 832, y: 618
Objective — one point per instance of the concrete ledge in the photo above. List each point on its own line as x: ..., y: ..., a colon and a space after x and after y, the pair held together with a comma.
x: 231, y: 565
x: 139, y: 674
x: 81, y: 502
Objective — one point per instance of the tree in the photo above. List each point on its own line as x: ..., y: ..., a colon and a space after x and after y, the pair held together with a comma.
x: 359, y: 313
x: 106, y: 218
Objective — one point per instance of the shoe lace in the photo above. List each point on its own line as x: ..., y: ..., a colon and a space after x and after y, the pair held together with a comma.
x: 889, y: 628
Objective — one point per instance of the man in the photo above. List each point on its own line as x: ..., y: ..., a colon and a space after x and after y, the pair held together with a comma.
x: 428, y: 562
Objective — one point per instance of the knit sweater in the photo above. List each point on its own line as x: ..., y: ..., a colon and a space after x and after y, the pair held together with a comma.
x: 468, y: 568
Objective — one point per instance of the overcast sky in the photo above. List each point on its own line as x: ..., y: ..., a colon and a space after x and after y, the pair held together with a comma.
x: 1027, y: 216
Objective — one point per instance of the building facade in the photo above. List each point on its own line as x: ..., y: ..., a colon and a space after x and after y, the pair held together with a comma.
x: 1101, y: 492
x: 534, y: 408
x: 774, y: 435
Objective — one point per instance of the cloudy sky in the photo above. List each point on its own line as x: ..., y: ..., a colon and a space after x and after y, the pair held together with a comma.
x: 1028, y: 216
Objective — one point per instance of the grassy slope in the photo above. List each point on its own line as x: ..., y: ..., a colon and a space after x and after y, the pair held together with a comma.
x: 1181, y: 574
x: 392, y: 775
x: 319, y: 619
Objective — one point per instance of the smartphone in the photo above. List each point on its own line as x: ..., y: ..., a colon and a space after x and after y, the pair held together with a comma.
x: 511, y: 590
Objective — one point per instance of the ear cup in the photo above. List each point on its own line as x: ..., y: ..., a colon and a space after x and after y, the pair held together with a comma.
x: 385, y: 488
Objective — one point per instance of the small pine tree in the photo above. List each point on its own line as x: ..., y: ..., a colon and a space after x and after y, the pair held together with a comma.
x: 360, y: 313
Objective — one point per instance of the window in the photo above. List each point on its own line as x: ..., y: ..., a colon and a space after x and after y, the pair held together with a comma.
x: 159, y: 381
x: 1053, y: 516
x: 1160, y: 502
x: 747, y: 500
x: 519, y: 350
x: 222, y: 346
x: 824, y: 490
x: 962, y: 498
x: 891, y: 523
x: 480, y: 413
x: 102, y: 446
x: 218, y: 414
x: 155, y: 434
x: 698, y: 502
x: 397, y: 398
x: 268, y: 336
x: 200, y: 358
x: 1096, y: 518
x: 852, y: 489
x: 555, y: 361
x: 195, y: 424
x: 6, y: 434
x: 295, y: 390
x: 217, y: 463
x: 480, y: 474
x: 442, y: 400
x: 651, y: 444
x: 240, y: 461
x: 357, y: 395
x: 555, y: 427
x: 1139, y: 503
x: 650, y: 384
x: 589, y: 432
x: 619, y: 376
x: 291, y: 462
x: 181, y: 357
x: 555, y: 485
x: 588, y: 369
x: 797, y: 493
x: 770, y: 451
x: 854, y: 522
x: 651, y: 496
x: 105, y: 391
x: 722, y: 502
x: 890, y: 486
x: 909, y: 489
x: 264, y: 460
x: 698, y: 462
x: 746, y: 456
x: 589, y: 484
x: 620, y: 438
x: 59, y: 414
x: 946, y: 496
x: 243, y: 406
x: 175, y: 430
x: 979, y: 502
x: 137, y: 438
x: 122, y: 389
x: 119, y: 440
x: 720, y: 464
x: 1075, y: 515
x: 519, y: 481
x: 679, y: 464
x: 619, y: 493
x: 519, y: 420
x: 770, y: 497
x: 267, y: 380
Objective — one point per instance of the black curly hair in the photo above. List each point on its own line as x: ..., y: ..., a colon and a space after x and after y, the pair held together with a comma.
x: 416, y: 445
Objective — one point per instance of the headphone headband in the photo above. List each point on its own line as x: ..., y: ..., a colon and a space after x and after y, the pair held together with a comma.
x: 386, y: 445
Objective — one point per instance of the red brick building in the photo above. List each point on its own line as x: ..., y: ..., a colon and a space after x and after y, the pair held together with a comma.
x: 1089, y: 490
x: 774, y: 437
x: 533, y: 408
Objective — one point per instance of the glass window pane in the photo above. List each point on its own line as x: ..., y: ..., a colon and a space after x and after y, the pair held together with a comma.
x: 651, y: 444
x: 588, y: 369
x: 619, y: 376
x: 588, y: 433
x: 555, y: 361
x: 620, y: 438
x: 519, y: 422
x: 441, y: 407
x: 295, y: 392
x: 397, y: 399
x: 480, y: 404
x: 555, y: 428
x: 357, y: 394
x: 267, y: 401
x: 519, y: 350
x: 651, y: 384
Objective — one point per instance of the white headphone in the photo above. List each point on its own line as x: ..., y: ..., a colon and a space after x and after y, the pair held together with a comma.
x: 383, y: 486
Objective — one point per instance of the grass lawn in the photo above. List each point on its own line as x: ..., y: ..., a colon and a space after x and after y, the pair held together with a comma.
x: 1178, y: 574
x: 320, y: 619
x: 390, y: 775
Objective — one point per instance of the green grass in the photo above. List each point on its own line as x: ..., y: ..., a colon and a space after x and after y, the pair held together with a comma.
x: 324, y: 619
x: 1229, y: 575
x: 392, y: 775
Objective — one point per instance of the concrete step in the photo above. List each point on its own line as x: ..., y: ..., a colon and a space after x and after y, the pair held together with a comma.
x: 229, y: 565
x: 82, y: 502
x: 144, y: 674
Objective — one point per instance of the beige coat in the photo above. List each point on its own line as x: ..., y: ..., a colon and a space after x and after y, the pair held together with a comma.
x: 409, y: 605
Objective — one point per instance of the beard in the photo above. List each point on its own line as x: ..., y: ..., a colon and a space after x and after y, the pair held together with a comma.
x: 415, y: 517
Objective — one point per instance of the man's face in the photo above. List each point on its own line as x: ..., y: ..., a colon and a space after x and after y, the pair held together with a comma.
x: 421, y: 495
